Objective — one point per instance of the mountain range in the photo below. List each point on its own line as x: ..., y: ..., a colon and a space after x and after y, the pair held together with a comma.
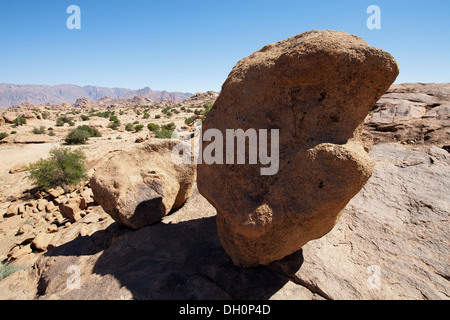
x: 14, y: 94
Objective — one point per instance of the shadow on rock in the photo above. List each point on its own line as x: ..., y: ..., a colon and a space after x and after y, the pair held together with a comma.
x: 184, y: 260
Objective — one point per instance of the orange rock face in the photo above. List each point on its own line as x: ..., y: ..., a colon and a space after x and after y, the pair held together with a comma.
x: 316, y: 88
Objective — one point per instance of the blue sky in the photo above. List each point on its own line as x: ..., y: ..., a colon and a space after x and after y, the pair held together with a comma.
x: 191, y: 45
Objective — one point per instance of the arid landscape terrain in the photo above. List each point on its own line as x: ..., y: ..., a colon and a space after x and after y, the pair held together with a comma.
x: 310, y: 176
x: 397, y: 222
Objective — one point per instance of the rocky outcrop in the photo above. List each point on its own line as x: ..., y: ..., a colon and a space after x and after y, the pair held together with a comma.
x: 412, y: 113
x: 199, y: 99
x: 140, y: 186
x: 316, y: 88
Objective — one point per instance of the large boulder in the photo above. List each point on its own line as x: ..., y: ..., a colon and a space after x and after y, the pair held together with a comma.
x: 316, y: 88
x: 140, y: 186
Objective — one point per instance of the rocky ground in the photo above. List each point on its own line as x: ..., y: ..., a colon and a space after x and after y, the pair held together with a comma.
x: 391, y: 242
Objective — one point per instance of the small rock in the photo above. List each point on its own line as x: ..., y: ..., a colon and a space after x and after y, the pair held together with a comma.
x: 50, y: 206
x: 52, y: 228
x: 25, y: 228
x: 56, y: 192
x: 41, y: 241
x: 12, y: 210
x: 71, y: 209
x: 15, y: 253
x: 41, y: 204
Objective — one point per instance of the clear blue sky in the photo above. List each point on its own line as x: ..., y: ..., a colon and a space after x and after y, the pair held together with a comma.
x: 191, y: 45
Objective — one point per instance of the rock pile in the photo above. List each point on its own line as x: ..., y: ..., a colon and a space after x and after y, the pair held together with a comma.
x: 41, y: 221
x: 316, y: 88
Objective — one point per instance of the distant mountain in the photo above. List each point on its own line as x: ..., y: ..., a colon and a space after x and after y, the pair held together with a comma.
x: 14, y: 94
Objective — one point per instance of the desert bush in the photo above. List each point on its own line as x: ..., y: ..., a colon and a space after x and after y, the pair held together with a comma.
x: 13, y: 132
x: 146, y: 115
x: 163, y: 134
x: 170, y: 126
x: 45, y: 115
x: 93, y: 132
x: 153, y: 127
x: 6, y: 269
x: 3, y: 135
x: 77, y: 136
x: 84, y: 117
x: 20, y: 120
x: 129, y: 127
x: 139, y: 127
x: 51, y: 133
x: 198, y: 112
x: 114, y: 118
x: 114, y: 125
x: 105, y: 114
x: 158, y: 116
x: 62, y: 120
x: 40, y: 130
x: 64, y: 167
x: 190, y: 120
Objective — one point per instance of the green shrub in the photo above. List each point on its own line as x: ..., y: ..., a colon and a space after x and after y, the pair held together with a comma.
x: 40, y: 130
x: 198, y: 112
x: 114, y: 125
x: 64, y: 167
x: 62, y: 120
x: 104, y: 114
x: 129, y: 127
x: 77, y: 136
x: 51, y: 133
x: 20, y: 120
x: 169, y: 114
x: 3, y: 135
x: 13, y: 132
x: 190, y: 120
x: 158, y: 116
x: 163, y: 134
x: 139, y: 127
x: 114, y: 119
x: 6, y: 269
x: 84, y: 117
x: 146, y: 115
x: 93, y: 132
x: 153, y: 127
x: 170, y: 126
x: 45, y: 115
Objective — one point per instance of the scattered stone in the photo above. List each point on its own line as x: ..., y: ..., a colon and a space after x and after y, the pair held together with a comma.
x: 56, y: 192
x: 41, y: 241
x: 52, y: 228
x: 16, y: 252
x: 12, y: 210
x: 50, y: 206
x: 72, y: 208
x: 41, y: 205
x: 25, y: 228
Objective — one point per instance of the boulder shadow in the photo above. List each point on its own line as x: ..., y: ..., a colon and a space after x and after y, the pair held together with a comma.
x: 182, y: 261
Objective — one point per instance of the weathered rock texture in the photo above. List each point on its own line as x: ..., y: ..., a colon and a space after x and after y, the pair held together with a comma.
x: 412, y: 113
x: 316, y: 88
x: 140, y: 186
